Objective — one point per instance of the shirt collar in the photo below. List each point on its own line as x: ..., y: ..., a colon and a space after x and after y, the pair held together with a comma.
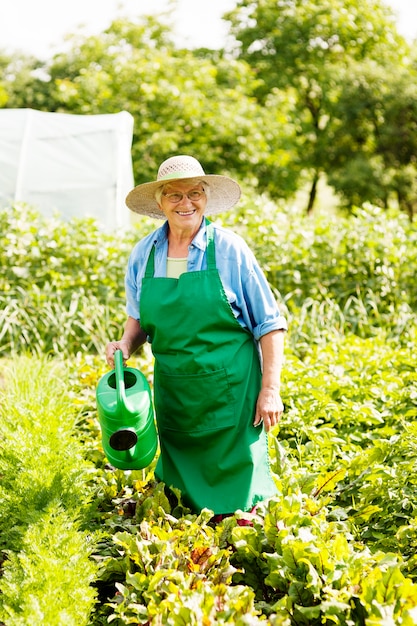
x: 199, y: 241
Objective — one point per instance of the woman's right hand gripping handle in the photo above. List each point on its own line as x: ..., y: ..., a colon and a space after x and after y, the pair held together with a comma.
x: 111, y: 348
x: 133, y: 337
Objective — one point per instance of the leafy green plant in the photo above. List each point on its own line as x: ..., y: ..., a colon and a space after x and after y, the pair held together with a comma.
x: 49, y: 580
x: 331, y: 276
x: 175, y: 573
x: 314, y: 569
x: 362, y: 264
x: 62, y: 283
x: 336, y: 545
x: 46, y: 500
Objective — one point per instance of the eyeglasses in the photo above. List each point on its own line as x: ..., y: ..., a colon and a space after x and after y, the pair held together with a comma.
x: 194, y: 196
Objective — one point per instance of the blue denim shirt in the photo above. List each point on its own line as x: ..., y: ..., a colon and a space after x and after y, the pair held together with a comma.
x: 245, y: 285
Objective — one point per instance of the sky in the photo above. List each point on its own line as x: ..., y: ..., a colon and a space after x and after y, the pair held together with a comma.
x: 39, y: 27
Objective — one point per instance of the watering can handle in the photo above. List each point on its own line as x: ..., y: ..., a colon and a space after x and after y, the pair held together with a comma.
x: 120, y: 379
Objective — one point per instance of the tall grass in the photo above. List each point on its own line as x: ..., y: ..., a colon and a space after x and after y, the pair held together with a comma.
x: 45, y: 322
x: 61, y: 284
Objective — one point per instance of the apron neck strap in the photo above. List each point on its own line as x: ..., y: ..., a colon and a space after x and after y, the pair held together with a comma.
x: 150, y: 266
x: 211, y: 252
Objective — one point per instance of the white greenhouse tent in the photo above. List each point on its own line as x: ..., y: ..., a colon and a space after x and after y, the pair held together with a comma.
x: 70, y: 165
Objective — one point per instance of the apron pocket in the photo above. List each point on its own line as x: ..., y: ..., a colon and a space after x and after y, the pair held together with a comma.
x: 194, y: 403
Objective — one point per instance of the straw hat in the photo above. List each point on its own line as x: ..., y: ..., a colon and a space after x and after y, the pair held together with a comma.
x: 224, y: 192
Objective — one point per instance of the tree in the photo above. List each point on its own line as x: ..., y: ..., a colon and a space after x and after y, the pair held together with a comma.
x: 23, y: 82
x: 306, y: 48
x: 379, y: 106
x: 182, y: 101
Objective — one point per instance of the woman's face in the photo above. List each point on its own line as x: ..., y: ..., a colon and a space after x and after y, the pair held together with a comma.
x: 183, y: 204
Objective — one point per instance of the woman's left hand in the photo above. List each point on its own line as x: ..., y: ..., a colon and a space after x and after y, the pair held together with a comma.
x: 269, y: 408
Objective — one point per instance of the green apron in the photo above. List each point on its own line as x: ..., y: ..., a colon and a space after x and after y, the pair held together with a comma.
x: 206, y: 382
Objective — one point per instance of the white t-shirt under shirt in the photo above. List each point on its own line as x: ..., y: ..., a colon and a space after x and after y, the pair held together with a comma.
x: 176, y: 267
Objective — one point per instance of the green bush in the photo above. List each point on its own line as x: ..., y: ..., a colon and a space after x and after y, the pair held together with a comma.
x: 368, y: 259
x: 62, y: 283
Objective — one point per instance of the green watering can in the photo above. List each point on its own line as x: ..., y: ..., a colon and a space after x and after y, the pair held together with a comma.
x: 125, y: 412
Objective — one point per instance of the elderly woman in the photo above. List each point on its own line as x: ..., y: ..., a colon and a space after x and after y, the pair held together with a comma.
x: 197, y: 293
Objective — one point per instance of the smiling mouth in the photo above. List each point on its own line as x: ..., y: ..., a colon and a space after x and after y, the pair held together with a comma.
x: 185, y: 213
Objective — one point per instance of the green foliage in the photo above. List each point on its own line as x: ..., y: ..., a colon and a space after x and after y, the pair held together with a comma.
x: 46, y: 566
x: 376, y: 160
x: 22, y: 83
x: 135, y: 67
x: 301, y: 39
x: 311, y: 91
x: 335, y: 546
x: 175, y: 573
x: 62, y: 283
x: 317, y: 56
x: 314, y: 571
x: 335, y: 274
x: 351, y: 406
x: 49, y: 580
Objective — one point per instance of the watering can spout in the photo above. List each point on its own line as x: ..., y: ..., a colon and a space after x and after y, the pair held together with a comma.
x: 126, y: 416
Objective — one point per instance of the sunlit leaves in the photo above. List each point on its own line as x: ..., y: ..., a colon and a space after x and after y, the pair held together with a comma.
x: 336, y: 545
x: 134, y: 67
x: 310, y: 50
x: 45, y: 495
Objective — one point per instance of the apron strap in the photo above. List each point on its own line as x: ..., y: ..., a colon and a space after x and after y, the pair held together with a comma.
x: 211, y: 253
x: 150, y: 265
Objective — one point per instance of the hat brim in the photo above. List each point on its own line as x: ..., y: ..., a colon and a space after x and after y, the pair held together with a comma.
x: 224, y: 194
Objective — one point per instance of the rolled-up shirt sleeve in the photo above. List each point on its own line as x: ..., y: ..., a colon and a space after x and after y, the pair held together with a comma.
x: 246, y: 286
x: 132, y: 293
